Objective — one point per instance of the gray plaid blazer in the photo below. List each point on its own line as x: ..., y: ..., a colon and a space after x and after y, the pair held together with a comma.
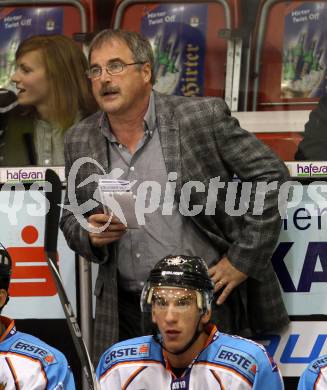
x: 200, y: 141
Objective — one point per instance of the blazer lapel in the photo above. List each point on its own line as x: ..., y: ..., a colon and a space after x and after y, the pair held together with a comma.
x: 169, y: 138
x: 99, y: 150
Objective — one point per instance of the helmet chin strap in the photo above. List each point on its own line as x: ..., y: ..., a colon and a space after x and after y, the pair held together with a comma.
x: 195, y: 336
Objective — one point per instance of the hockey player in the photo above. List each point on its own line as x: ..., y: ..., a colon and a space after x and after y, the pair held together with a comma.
x: 315, y: 375
x: 27, y: 363
x: 188, y: 352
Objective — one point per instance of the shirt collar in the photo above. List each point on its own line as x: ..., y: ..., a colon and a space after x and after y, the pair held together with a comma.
x: 149, y: 122
x: 150, y: 117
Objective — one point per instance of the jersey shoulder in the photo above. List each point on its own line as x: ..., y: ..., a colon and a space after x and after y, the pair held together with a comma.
x: 27, y: 345
x: 240, y: 354
x: 132, y: 350
x: 315, y: 371
x: 318, y: 364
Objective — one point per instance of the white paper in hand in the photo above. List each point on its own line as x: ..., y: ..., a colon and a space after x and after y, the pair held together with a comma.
x: 117, y: 198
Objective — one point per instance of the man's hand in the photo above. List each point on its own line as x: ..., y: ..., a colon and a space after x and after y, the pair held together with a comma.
x: 225, y: 276
x: 114, y: 231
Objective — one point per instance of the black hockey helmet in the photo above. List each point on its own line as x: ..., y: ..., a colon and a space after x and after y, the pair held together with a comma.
x: 5, y: 267
x: 189, y: 272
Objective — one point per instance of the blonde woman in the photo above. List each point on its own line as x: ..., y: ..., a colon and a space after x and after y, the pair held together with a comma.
x: 53, y: 93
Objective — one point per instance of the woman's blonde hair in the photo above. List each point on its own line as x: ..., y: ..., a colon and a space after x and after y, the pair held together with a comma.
x: 65, y: 65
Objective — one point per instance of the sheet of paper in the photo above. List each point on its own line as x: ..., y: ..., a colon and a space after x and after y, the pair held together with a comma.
x: 117, y: 198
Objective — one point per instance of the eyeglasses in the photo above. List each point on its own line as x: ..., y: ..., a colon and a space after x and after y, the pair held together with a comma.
x: 112, y: 68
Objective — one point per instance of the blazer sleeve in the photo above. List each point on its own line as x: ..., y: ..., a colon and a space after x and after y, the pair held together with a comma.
x: 314, y: 144
x: 76, y: 236
x: 258, y: 167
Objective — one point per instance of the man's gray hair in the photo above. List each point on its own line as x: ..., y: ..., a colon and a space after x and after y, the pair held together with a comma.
x: 137, y: 43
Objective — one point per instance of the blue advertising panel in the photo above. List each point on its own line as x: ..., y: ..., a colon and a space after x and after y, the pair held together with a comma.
x: 304, y: 57
x: 300, y: 258
x: 297, y: 346
x: 178, y: 37
x: 17, y: 24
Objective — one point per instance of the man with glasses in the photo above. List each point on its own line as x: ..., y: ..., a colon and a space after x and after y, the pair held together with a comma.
x: 163, y: 144
x: 186, y: 350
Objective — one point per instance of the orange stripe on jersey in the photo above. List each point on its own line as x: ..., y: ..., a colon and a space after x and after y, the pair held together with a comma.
x: 168, y: 366
x: 13, y: 373
x: 212, y: 329
x: 132, y: 377
x: 143, y: 362
x: 29, y: 358
x: 217, y: 379
x: 243, y: 378
x: 9, y: 324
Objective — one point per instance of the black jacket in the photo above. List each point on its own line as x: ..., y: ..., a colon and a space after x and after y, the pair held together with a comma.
x: 314, y: 144
x: 16, y: 141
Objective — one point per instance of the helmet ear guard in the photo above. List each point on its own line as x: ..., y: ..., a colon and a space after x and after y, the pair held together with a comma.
x: 5, y: 270
x: 204, y: 300
x: 146, y: 298
x: 5, y: 263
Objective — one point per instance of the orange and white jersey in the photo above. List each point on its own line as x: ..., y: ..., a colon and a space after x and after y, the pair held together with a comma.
x: 227, y: 362
x: 15, y: 370
x: 27, y: 363
x: 315, y: 375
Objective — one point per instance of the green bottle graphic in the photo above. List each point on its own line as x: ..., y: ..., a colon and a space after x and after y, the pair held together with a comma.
x: 308, y: 59
x: 316, y: 61
x: 288, y: 66
x: 298, y: 52
x: 298, y: 49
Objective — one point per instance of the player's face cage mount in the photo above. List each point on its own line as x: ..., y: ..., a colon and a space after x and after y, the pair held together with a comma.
x: 5, y: 263
x: 179, y: 272
x: 5, y: 271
